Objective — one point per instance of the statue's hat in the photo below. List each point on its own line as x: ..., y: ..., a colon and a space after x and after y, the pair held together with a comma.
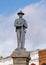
x: 20, y: 12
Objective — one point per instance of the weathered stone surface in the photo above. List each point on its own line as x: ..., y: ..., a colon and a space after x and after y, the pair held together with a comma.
x: 21, y: 57
x: 20, y: 26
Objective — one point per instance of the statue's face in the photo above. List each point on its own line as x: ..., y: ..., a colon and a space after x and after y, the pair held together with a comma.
x: 20, y: 15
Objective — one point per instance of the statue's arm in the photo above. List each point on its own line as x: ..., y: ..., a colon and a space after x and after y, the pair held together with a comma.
x: 25, y: 24
x: 15, y: 23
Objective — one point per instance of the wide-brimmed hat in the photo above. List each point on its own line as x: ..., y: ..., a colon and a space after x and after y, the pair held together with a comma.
x: 20, y: 12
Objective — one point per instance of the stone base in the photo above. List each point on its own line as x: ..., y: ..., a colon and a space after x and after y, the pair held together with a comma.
x: 20, y: 57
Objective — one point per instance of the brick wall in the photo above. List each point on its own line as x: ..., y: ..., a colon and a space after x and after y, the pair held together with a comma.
x: 42, y: 57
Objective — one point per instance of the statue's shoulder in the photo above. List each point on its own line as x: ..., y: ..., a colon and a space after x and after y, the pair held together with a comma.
x: 23, y: 19
x: 16, y: 20
x: 25, y: 23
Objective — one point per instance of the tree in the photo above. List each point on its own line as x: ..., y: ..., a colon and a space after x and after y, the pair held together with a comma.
x: 1, y: 57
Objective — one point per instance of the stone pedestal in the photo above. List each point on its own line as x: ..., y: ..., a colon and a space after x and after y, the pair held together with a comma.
x: 20, y: 57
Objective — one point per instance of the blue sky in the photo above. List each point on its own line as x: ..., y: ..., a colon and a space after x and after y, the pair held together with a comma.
x: 8, y: 7
x: 35, y: 15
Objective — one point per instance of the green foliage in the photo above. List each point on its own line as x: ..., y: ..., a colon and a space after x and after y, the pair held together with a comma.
x: 1, y: 57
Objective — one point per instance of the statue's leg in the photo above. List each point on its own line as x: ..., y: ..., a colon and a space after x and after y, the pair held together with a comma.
x: 22, y: 38
x: 18, y: 38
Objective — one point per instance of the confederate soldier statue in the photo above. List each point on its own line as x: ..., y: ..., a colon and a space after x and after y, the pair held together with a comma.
x: 20, y: 25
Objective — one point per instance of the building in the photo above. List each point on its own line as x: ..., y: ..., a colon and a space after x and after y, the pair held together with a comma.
x: 34, y: 58
x: 6, y: 61
x: 42, y: 57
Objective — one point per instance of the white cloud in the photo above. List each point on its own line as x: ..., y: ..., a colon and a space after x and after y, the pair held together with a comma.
x: 36, y: 18
x: 35, y: 14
